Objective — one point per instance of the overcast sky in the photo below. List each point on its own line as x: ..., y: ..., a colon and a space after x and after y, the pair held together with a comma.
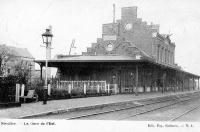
x: 23, y: 21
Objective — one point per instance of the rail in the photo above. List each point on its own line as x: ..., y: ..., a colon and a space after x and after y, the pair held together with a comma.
x: 184, y: 113
x: 177, y: 99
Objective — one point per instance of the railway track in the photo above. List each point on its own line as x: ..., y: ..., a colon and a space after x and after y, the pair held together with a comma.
x: 145, y: 105
x: 185, y: 113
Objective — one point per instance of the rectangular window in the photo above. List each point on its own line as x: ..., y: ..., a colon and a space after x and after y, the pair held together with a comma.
x: 8, y: 71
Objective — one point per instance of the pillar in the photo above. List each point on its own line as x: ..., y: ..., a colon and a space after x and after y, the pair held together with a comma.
x: 143, y: 79
x: 169, y: 60
x: 105, y: 86
x: 163, y: 81
x: 84, y: 88
x: 98, y: 88
x: 152, y: 79
x: 175, y: 82
x: 165, y: 55
x: 198, y: 83
x: 22, y: 90
x: 170, y: 81
x: 136, y: 77
x: 119, y: 80
x: 108, y: 89
x: 69, y: 88
x: 161, y: 54
x: 182, y: 81
x: 17, y: 93
x: 188, y: 83
x: 193, y: 82
x: 40, y: 72
x: 115, y: 87
x: 49, y: 89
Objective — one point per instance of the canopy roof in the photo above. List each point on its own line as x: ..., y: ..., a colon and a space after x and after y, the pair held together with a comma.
x: 106, y: 59
x: 80, y: 58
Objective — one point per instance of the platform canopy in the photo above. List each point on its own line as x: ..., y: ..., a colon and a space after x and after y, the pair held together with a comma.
x: 77, y: 59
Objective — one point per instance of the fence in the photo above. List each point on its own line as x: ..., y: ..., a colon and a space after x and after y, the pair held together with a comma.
x: 87, y: 87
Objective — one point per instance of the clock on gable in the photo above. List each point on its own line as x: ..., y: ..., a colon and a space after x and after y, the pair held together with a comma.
x: 109, y: 46
x: 128, y: 26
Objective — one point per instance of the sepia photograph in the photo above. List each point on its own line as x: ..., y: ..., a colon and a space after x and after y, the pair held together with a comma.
x: 108, y: 65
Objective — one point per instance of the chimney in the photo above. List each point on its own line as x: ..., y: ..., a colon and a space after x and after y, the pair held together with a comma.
x: 113, y: 13
x: 129, y: 13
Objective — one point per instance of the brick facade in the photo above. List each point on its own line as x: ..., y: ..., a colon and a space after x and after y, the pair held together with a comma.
x: 118, y: 38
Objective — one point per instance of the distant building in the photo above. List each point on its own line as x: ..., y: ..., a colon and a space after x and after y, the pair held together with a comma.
x: 16, y: 56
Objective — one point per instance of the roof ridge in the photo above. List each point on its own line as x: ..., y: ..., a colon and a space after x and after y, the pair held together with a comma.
x: 19, y: 51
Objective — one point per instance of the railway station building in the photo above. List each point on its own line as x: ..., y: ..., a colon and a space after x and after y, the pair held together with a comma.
x: 130, y: 55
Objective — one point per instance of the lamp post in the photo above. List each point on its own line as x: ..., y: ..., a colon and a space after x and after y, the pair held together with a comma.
x: 47, y: 38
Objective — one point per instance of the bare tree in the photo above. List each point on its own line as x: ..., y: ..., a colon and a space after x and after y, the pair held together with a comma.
x: 22, y: 71
x: 4, y: 57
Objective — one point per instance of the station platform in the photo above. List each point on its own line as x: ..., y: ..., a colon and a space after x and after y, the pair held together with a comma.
x: 59, y: 106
